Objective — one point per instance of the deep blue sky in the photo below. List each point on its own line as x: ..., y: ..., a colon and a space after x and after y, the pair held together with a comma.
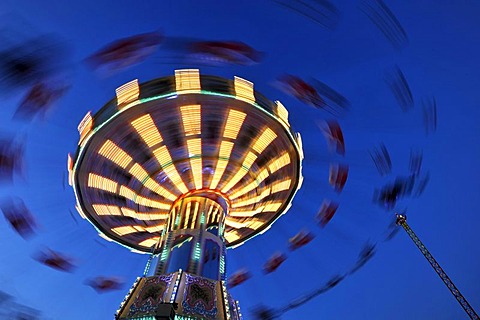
x: 440, y: 60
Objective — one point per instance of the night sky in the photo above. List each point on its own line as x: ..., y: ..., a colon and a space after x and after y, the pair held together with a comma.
x: 347, y: 51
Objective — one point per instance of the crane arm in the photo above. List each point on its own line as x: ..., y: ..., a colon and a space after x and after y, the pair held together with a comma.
x: 402, y: 221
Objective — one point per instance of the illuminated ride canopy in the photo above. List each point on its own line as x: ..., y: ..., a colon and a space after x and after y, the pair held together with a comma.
x: 186, y: 159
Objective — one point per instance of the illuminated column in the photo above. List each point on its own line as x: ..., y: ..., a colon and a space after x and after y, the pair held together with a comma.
x: 194, y: 238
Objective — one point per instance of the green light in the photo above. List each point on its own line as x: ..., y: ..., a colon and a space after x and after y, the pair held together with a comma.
x: 177, y: 221
x: 222, y: 265
x: 164, y: 254
x: 197, y: 252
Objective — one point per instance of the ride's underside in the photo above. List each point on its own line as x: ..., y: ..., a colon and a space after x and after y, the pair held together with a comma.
x: 164, y: 140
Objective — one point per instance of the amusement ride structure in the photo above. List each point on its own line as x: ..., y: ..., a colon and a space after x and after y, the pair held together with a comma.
x: 183, y: 167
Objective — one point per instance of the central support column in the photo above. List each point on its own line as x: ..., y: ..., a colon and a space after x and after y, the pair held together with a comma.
x: 190, y: 273
x: 193, y: 240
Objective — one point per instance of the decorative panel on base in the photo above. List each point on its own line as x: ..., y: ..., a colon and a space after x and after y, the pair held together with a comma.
x: 194, y: 297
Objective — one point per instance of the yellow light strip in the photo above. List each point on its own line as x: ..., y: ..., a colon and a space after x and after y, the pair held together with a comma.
x: 245, y: 213
x: 188, y: 212
x: 165, y: 160
x: 151, y: 203
x: 246, y: 165
x: 106, y: 210
x: 265, y: 193
x: 156, y: 228
x: 127, y: 193
x: 215, y: 214
x: 255, y: 223
x: 262, y: 142
x: 123, y: 230
x: 141, y: 175
x: 209, y: 214
x: 187, y: 80
x: 194, y: 147
x: 252, y: 185
x: 235, y: 224
x: 272, y: 207
x: 115, y: 154
x: 85, y: 127
x: 274, y: 165
x: 233, y: 124
x: 279, y: 162
x: 300, y: 145
x: 127, y: 212
x: 195, y: 213
x: 191, y: 119
x: 102, y: 183
x: 172, y: 219
x: 282, y: 112
x: 232, y: 236
x: 244, y: 90
x: 281, y: 185
x: 149, y: 242
x: 222, y: 162
x: 127, y: 93
x: 269, y: 207
x: 147, y: 130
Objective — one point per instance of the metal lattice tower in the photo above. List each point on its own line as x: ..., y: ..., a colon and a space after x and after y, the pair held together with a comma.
x: 402, y: 221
